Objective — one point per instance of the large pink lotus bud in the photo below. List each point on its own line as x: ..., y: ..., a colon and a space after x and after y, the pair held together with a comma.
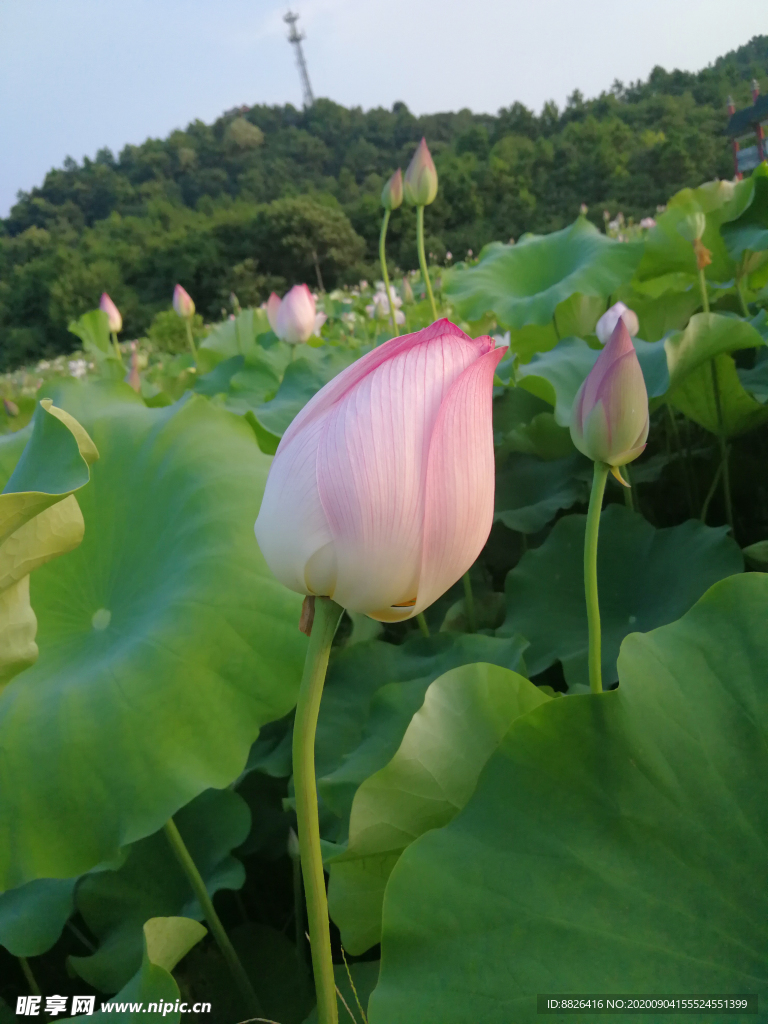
x: 421, y: 177
x: 114, y: 319
x: 392, y: 193
x: 381, y: 492
x: 609, y: 421
x: 606, y: 325
x: 182, y: 303
x: 295, y: 318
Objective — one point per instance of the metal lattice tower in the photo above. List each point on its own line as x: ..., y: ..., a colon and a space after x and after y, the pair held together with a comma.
x: 295, y: 37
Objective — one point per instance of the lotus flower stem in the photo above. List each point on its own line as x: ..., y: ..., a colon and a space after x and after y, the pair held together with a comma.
x: 590, y: 575
x: 34, y: 988
x: 422, y: 623
x: 327, y: 616
x: 116, y: 347
x: 703, y: 288
x: 723, y: 446
x: 423, y: 258
x: 469, y: 602
x: 711, y: 492
x: 742, y: 299
x: 384, y: 274
x: 190, y: 339
x: 197, y: 884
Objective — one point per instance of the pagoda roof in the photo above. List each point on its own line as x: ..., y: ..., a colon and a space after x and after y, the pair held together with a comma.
x: 743, y: 121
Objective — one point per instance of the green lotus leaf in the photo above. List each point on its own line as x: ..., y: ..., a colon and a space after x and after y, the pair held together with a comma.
x: 372, y: 692
x: 708, y: 337
x: 646, y: 578
x: 116, y: 905
x: 33, y: 916
x: 748, y: 233
x: 469, y: 709
x: 166, y: 940
x: 556, y: 376
x: 165, y: 642
x: 39, y: 520
x: 93, y: 330
x: 530, y: 491
x: 238, y: 336
x: 658, y: 314
x: 667, y: 252
x: 615, y: 842
x: 522, y: 422
x: 524, y: 283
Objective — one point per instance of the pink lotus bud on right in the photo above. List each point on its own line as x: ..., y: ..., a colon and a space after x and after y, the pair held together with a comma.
x: 421, y: 177
x: 295, y: 319
x: 114, y: 319
x: 182, y: 303
x: 381, y: 492
x: 392, y: 193
x: 606, y: 325
x: 609, y: 420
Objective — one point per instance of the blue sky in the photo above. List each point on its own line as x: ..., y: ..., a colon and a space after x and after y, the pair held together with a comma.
x: 76, y: 75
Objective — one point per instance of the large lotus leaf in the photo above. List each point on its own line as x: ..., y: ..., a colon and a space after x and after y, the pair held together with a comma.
x: 708, y: 337
x: 93, y: 330
x: 646, y: 578
x: 39, y: 520
x: 658, y: 314
x: 33, y: 916
x: 522, y: 422
x: 372, y: 692
x: 465, y: 715
x: 530, y: 491
x: 556, y: 376
x: 614, y: 843
x: 755, y: 381
x: 667, y: 252
x: 749, y: 232
x: 116, y: 904
x: 165, y: 642
x: 522, y: 284
x: 236, y: 336
x: 166, y: 940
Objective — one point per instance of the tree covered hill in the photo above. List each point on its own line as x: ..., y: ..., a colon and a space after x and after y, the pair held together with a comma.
x: 267, y: 196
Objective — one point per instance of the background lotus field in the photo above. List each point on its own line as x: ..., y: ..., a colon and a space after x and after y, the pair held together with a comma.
x: 491, y: 829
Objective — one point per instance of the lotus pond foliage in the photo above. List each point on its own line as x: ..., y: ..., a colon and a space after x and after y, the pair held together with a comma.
x: 536, y: 763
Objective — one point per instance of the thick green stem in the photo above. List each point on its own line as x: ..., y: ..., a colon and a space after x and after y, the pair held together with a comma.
x: 189, y: 868
x: 723, y: 446
x: 384, y: 274
x: 742, y: 299
x: 711, y: 492
x: 590, y: 575
x: 704, y: 293
x: 34, y: 988
x: 298, y: 913
x: 190, y: 339
x: 423, y: 258
x: 422, y: 623
x: 116, y: 347
x: 327, y: 615
x: 469, y: 603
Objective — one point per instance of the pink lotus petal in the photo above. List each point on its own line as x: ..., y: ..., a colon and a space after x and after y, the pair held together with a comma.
x: 460, y: 481
x: 372, y: 470
x: 273, y: 305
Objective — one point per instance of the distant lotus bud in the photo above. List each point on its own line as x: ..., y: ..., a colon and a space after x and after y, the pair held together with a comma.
x: 392, y: 193
x: 106, y: 305
x: 583, y: 209
x: 11, y: 409
x: 421, y: 177
x: 407, y: 292
x: 380, y: 494
x: 273, y: 305
x: 296, y: 316
x: 647, y: 223
x: 609, y: 421
x: 133, y: 378
x: 692, y: 227
x: 182, y: 303
x: 606, y: 325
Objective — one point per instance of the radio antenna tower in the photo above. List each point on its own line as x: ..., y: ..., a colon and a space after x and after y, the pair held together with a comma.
x: 295, y: 37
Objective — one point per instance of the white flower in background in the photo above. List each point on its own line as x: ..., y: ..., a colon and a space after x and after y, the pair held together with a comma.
x: 350, y: 319
x: 648, y: 222
x: 607, y: 322
x: 448, y: 257
x: 379, y: 308
x: 363, y: 285
x: 78, y: 368
x: 501, y: 340
x: 43, y: 365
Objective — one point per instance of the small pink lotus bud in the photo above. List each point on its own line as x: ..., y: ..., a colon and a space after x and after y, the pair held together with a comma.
x: 182, y: 303
x: 295, y: 318
x: 606, y: 325
x: 11, y: 409
x: 583, y: 209
x: 392, y: 193
x: 114, y: 319
x: 273, y: 305
x: 609, y: 421
x: 421, y: 177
